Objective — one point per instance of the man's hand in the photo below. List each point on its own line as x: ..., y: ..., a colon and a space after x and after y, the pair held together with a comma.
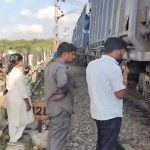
x: 1, y: 93
x: 125, y: 75
x: 5, y: 92
x: 57, y: 97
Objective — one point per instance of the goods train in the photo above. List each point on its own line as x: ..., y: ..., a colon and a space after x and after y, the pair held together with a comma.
x: 128, y: 19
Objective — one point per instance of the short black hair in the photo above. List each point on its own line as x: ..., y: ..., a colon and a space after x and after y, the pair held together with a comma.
x: 114, y: 43
x: 65, y: 47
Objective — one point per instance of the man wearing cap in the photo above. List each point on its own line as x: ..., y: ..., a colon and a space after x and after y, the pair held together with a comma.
x: 107, y: 88
x: 59, y: 95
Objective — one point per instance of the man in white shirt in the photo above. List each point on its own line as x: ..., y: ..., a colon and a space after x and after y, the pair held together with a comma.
x: 107, y: 88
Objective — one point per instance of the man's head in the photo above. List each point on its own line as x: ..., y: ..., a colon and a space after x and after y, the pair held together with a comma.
x: 115, y: 47
x: 67, y: 52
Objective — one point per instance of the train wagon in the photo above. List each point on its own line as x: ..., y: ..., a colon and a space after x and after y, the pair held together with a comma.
x: 128, y: 19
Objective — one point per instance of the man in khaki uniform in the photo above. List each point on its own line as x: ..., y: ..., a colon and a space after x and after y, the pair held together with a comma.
x: 59, y: 95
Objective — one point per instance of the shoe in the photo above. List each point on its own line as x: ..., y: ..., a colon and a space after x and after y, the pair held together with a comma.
x: 15, y: 143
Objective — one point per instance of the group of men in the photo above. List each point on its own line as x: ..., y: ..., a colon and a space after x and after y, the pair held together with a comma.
x: 106, y: 86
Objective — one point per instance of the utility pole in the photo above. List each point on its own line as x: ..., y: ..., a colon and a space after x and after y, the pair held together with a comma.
x: 66, y: 34
x: 57, y: 17
x: 56, y: 25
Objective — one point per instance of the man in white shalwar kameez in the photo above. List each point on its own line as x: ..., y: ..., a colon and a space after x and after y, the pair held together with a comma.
x: 18, y: 102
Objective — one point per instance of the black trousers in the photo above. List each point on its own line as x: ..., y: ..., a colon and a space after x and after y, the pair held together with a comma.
x: 108, y: 132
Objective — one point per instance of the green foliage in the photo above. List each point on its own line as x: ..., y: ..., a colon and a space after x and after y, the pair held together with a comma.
x: 25, y: 45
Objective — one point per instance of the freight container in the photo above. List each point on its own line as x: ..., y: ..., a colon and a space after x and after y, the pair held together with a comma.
x: 128, y: 19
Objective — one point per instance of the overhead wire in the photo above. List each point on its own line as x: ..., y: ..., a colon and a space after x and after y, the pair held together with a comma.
x: 73, y: 2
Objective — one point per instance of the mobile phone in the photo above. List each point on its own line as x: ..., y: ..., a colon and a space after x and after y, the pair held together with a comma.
x: 123, y: 64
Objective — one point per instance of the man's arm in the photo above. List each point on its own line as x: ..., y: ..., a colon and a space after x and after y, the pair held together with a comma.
x: 62, y: 84
x: 118, y: 84
x: 123, y: 93
x: 62, y: 80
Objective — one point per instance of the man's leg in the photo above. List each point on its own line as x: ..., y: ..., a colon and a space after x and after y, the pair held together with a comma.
x: 98, y: 145
x: 108, y: 132
x: 58, y: 131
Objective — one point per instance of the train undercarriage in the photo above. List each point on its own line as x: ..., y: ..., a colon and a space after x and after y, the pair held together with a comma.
x: 139, y: 75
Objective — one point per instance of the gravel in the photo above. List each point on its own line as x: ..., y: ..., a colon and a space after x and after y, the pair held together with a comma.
x: 135, y: 131
x: 83, y: 130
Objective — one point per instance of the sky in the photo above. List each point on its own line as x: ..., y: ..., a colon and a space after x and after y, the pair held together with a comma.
x: 30, y: 19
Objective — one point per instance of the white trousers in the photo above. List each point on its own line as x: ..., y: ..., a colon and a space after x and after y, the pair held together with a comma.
x: 15, y: 132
